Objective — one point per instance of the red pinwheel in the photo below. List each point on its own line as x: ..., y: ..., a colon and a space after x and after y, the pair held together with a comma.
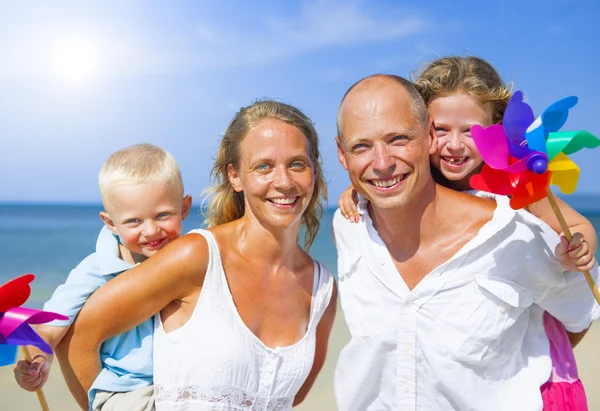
x: 524, y: 155
x: 15, y: 320
x: 15, y: 329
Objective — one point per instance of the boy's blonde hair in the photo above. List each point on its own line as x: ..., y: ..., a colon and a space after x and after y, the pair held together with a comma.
x: 471, y: 75
x: 140, y: 163
x: 225, y: 204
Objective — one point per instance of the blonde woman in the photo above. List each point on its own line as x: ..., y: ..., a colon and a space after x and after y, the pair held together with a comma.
x: 245, y: 313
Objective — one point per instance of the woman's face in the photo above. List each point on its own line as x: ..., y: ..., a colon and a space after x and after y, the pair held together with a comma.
x: 275, y: 173
x: 457, y: 157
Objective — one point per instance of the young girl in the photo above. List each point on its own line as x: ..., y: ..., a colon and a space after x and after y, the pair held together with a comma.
x: 460, y: 92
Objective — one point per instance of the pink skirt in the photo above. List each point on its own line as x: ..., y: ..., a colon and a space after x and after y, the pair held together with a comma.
x: 564, y: 390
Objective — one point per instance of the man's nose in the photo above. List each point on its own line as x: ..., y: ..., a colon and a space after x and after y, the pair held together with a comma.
x: 383, y: 161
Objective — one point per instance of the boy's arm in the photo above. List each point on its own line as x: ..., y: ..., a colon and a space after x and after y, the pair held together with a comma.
x: 176, y: 272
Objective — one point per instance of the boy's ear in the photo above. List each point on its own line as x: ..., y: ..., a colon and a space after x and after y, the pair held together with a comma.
x: 186, y: 206
x: 234, y: 179
x: 108, y: 222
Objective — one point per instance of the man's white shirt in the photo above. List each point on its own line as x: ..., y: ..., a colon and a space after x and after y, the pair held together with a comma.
x: 470, y: 335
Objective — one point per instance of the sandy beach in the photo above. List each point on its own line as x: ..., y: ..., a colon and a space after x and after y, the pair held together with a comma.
x: 320, y: 398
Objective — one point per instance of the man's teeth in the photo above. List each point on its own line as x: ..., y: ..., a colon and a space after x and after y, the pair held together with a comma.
x: 290, y: 200
x: 455, y: 161
x: 387, y: 183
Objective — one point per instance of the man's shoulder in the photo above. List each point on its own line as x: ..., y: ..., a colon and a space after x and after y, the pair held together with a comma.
x: 344, y: 231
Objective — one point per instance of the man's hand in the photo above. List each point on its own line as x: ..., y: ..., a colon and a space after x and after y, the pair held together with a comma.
x: 575, y: 255
x: 32, y: 377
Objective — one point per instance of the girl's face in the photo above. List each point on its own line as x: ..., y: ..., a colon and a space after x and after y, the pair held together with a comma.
x: 457, y: 157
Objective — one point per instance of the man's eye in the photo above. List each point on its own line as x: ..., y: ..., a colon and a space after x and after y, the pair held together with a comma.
x: 359, y: 146
x: 399, y: 138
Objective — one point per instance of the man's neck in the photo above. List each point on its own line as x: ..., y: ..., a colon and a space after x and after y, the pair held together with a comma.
x: 405, y: 228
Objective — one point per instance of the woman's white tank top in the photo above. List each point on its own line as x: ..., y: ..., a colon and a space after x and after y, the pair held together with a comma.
x: 214, y: 362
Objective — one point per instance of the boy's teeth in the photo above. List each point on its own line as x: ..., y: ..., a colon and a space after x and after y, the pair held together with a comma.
x: 290, y: 200
x: 387, y: 183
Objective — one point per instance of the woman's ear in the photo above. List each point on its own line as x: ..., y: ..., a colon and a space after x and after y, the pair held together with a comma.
x: 234, y: 178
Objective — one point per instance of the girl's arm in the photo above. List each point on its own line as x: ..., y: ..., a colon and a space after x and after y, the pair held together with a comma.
x: 323, y: 333
x: 576, y: 255
x: 174, y: 273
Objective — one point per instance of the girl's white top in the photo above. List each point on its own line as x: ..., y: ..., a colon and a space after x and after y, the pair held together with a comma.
x: 214, y: 362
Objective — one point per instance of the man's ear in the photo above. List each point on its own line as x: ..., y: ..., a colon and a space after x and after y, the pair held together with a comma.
x: 433, y: 140
x: 234, y: 178
x: 341, y: 156
x: 108, y: 222
x: 186, y: 206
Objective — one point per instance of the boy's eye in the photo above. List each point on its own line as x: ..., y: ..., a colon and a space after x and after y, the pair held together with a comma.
x: 132, y: 221
x: 163, y: 214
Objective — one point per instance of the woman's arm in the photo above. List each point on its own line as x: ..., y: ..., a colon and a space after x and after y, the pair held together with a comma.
x: 174, y: 273
x: 323, y: 333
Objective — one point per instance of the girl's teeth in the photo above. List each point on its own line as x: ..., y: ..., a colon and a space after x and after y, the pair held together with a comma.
x: 455, y: 160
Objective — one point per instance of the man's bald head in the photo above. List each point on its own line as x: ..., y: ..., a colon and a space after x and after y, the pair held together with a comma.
x: 380, y: 82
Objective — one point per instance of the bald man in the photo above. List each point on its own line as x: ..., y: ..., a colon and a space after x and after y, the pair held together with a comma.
x: 443, y: 292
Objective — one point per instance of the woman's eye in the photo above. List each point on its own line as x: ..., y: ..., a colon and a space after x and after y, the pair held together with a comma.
x: 262, y: 167
x: 298, y: 164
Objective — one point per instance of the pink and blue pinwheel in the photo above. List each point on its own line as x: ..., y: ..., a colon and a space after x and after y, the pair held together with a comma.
x: 524, y: 155
x: 15, y: 320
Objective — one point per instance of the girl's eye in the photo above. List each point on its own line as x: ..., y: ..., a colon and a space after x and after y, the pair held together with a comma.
x: 440, y: 130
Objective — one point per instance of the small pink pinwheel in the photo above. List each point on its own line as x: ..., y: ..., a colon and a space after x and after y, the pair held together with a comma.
x: 15, y: 320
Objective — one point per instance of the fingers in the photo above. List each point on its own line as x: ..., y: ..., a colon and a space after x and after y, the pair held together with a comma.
x: 575, y: 255
x: 347, y: 204
x: 31, y: 377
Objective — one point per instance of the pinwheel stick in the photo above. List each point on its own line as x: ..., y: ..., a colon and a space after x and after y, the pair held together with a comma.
x: 567, y: 232
x: 40, y: 392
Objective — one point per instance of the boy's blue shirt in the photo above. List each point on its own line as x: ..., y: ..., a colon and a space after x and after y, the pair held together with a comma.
x: 126, y: 358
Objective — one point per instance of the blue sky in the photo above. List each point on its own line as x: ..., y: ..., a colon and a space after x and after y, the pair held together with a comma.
x: 79, y: 80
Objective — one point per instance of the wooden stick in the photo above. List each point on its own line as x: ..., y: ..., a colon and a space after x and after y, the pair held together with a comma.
x: 567, y: 232
x: 40, y: 392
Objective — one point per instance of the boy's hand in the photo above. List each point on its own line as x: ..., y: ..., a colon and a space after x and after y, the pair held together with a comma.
x: 575, y: 255
x: 32, y: 377
x: 347, y: 203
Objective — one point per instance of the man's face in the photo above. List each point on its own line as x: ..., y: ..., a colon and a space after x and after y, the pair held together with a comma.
x: 383, y: 146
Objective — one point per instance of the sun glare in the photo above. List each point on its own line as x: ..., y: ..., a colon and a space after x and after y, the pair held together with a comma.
x: 76, y: 60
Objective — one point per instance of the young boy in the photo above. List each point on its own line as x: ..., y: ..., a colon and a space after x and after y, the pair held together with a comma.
x: 143, y: 198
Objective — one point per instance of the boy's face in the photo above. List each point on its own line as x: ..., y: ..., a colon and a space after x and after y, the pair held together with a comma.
x: 146, y: 217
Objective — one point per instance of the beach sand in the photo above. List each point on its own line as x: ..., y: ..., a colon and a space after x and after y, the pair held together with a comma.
x: 12, y: 398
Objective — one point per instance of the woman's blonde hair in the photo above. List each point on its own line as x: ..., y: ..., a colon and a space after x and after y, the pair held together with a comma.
x: 225, y: 204
x: 472, y: 75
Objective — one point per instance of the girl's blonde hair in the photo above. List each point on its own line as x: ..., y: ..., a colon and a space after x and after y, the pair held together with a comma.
x: 471, y: 75
x: 225, y: 204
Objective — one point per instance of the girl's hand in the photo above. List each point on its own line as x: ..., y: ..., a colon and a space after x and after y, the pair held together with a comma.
x: 347, y: 203
x: 575, y: 255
